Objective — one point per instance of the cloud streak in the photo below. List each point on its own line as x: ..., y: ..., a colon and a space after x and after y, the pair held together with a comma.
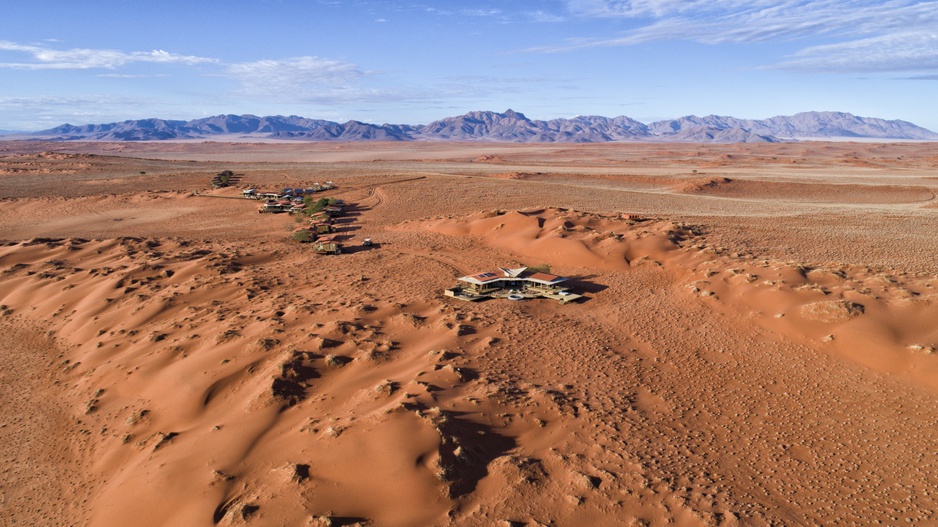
x: 863, y: 35
x: 293, y: 80
x: 295, y: 77
x: 34, y: 113
x: 899, y: 52
x: 45, y: 58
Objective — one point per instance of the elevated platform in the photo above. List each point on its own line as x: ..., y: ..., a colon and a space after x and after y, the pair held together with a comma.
x: 459, y: 294
x: 561, y: 296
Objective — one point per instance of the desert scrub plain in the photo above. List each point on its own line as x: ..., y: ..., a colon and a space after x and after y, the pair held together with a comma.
x: 756, y: 346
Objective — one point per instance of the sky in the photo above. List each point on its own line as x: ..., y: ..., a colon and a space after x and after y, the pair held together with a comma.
x: 404, y: 62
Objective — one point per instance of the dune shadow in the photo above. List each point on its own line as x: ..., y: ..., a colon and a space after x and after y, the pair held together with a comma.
x: 352, y: 249
x: 296, y: 376
x: 584, y: 284
x: 465, y: 456
x: 466, y: 374
x: 341, y: 521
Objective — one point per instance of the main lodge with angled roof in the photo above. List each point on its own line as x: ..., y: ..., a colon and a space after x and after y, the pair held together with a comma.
x: 514, y: 284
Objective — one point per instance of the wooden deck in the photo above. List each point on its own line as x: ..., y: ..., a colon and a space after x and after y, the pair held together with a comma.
x: 459, y: 294
x: 560, y: 295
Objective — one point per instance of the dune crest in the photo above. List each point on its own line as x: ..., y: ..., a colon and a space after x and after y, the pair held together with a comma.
x: 814, y: 303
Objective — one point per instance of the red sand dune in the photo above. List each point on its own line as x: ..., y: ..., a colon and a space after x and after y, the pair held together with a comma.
x: 171, y: 359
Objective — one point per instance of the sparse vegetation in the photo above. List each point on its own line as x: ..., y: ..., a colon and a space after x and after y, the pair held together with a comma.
x: 300, y: 472
x: 224, y: 178
x: 336, y: 361
x: 312, y: 205
x: 302, y: 236
x: 268, y: 343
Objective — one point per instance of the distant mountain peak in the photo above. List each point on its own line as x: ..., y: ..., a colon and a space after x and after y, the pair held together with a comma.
x: 509, y: 126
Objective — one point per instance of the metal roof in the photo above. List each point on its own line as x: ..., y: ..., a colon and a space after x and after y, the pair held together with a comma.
x: 512, y: 274
x: 544, y: 278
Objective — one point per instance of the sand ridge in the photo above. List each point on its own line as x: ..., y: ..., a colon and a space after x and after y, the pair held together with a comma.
x: 824, y: 304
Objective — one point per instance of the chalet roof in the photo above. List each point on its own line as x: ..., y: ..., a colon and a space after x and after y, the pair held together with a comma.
x: 544, y: 278
x: 481, y: 278
x: 512, y: 274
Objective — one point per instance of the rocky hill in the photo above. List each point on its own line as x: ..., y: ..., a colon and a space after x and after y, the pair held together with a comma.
x: 510, y: 126
x: 801, y: 125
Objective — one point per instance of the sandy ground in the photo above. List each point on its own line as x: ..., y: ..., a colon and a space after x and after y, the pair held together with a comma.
x: 756, y: 345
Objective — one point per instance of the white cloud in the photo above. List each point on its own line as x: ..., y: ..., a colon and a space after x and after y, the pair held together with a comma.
x: 42, y: 112
x: 44, y: 58
x: 480, y: 12
x: 306, y: 79
x: 863, y: 35
x: 314, y: 80
x: 311, y: 80
x: 130, y: 76
x: 544, y: 17
x: 900, y: 52
x: 297, y: 76
x: 657, y: 8
x: 717, y: 21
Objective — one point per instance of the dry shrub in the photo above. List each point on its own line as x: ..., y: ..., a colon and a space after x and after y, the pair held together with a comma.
x: 832, y: 311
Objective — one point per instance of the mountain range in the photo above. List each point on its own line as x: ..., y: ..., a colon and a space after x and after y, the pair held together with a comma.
x: 510, y: 126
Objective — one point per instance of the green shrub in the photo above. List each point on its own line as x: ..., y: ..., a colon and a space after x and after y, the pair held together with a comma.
x: 302, y: 236
x: 224, y: 177
x: 312, y: 206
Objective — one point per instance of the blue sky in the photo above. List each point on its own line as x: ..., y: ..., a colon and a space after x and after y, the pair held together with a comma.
x: 412, y: 62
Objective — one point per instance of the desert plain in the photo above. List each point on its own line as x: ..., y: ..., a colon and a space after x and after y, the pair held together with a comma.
x: 755, y: 346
